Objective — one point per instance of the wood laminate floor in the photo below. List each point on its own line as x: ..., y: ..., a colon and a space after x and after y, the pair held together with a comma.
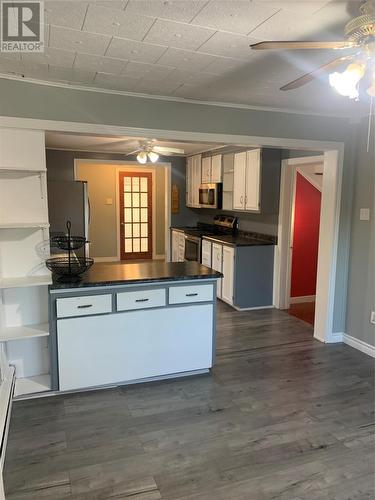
x: 281, y: 417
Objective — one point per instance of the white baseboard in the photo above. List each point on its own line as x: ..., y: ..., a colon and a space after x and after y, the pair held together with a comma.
x: 334, y: 338
x: 251, y: 308
x: 158, y: 257
x: 305, y: 298
x: 359, y: 344
x: 106, y: 259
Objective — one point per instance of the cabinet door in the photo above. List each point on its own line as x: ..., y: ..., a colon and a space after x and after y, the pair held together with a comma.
x: 189, y: 190
x: 197, y: 169
x: 239, y: 181
x: 207, y: 253
x: 175, y: 242
x: 114, y: 348
x: 216, y: 169
x: 206, y: 169
x: 252, y: 197
x: 217, y: 264
x: 181, y: 247
x: 227, y: 292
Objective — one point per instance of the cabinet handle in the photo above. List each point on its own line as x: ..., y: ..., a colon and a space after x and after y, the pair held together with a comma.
x: 191, y: 294
x: 84, y: 306
x: 142, y: 300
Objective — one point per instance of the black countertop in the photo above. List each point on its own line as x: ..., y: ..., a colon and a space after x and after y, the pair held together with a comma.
x: 103, y: 274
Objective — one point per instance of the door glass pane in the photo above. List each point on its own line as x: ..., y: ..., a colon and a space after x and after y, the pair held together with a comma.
x: 136, y: 245
x: 128, y: 230
x: 144, y: 245
x: 135, y: 199
x: 127, y: 184
x: 143, y: 214
x: 136, y: 231
x: 144, y: 184
x: 128, y: 215
x: 127, y: 200
x: 135, y: 214
x: 135, y: 183
x: 144, y: 230
x: 144, y: 200
x: 128, y: 245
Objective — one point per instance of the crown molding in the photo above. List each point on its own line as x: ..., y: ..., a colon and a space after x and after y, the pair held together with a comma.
x: 174, y: 99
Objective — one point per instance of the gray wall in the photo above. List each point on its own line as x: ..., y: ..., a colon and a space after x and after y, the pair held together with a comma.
x: 361, y: 289
x: 28, y: 100
x: 60, y: 166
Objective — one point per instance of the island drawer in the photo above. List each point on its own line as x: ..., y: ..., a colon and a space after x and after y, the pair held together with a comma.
x: 83, y: 306
x: 140, y: 299
x: 190, y: 293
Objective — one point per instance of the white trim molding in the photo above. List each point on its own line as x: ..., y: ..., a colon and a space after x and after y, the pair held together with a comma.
x: 334, y: 338
x: 359, y: 344
x: 300, y: 300
x: 106, y: 259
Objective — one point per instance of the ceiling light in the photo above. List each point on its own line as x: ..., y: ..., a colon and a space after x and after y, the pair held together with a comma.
x: 346, y: 83
x: 153, y: 156
x: 142, y: 157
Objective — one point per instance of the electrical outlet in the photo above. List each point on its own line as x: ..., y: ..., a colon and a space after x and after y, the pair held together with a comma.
x: 372, y: 317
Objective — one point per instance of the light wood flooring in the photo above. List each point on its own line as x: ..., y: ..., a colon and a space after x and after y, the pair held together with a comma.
x: 281, y: 417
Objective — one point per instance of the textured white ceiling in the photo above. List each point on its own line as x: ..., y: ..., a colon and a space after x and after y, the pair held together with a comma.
x: 123, y: 145
x: 197, y: 49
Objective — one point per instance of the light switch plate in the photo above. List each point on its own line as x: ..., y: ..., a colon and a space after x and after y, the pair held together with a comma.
x: 364, y: 214
x: 372, y: 317
x: 108, y: 201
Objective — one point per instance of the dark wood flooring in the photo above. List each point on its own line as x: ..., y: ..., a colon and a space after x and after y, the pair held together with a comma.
x: 281, y: 417
x: 304, y: 311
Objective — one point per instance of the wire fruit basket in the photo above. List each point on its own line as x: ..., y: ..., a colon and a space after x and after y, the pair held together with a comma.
x: 70, y: 267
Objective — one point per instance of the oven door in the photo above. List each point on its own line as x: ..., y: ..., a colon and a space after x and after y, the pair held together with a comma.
x: 192, y: 248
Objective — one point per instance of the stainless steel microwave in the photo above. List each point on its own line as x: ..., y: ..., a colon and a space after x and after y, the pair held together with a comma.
x: 210, y: 195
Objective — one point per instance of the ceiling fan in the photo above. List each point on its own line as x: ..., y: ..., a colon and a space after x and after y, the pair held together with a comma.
x: 359, y: 34
x: 148, y: 150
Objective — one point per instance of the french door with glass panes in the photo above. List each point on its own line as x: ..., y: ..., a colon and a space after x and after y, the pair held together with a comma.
x: 135, y: 215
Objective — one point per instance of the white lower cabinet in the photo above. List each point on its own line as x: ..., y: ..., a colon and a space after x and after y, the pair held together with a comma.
x: 122, y: 347
x: 217, y: 264
x: 206, y: 253
x: 178, y: 246
x: 228, y: 274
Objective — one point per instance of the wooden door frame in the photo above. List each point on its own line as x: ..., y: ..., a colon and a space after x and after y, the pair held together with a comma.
x: 132, y: 166
x: 150, y: 208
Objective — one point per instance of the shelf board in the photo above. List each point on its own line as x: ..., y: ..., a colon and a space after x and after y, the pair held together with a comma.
x: 23, y: 225
x: 23, y: 332
x: 32, y: 385
x: 25, y: 281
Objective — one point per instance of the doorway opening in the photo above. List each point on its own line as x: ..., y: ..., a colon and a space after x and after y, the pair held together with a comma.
x: 135, y: 206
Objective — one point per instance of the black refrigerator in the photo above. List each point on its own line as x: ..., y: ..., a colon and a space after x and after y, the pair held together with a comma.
x: 68, y: 200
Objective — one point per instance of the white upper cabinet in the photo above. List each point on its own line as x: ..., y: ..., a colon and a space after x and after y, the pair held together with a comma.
x: 206, y: 169
x: 239, y: 181
x: 216, y: 169
x: 193, y: 180
x: 252, y: 180
x: 22, y: 149
x: 246, y: 184
x: 212, y: 169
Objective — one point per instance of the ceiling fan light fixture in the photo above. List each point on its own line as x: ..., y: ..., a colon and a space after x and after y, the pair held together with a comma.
x: 153, y: 156
x: 346, y: 83
x: 142, y: 157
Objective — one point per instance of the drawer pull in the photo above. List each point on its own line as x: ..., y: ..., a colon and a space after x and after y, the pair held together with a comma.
x: 191, y: 294
x: 142, y: 300
x: 85, y: 306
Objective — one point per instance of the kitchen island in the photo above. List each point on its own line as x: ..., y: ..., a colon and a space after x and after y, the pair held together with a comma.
x: 126, y: 323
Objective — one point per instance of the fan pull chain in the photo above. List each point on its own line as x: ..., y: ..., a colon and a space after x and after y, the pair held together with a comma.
x: 369, y: 125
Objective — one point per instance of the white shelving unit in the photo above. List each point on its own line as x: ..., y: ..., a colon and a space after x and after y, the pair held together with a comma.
x: 24, y: 246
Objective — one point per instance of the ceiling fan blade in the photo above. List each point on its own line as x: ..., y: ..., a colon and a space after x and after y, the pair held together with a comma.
x: 166, y: 150
x: 309, y: 77
x: 344, y: 44
x: 132, y: 152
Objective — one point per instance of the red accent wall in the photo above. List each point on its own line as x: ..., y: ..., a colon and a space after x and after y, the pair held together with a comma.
x: 305, y: 238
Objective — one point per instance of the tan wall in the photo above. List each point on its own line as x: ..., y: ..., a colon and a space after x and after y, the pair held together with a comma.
x: 101, y: 180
